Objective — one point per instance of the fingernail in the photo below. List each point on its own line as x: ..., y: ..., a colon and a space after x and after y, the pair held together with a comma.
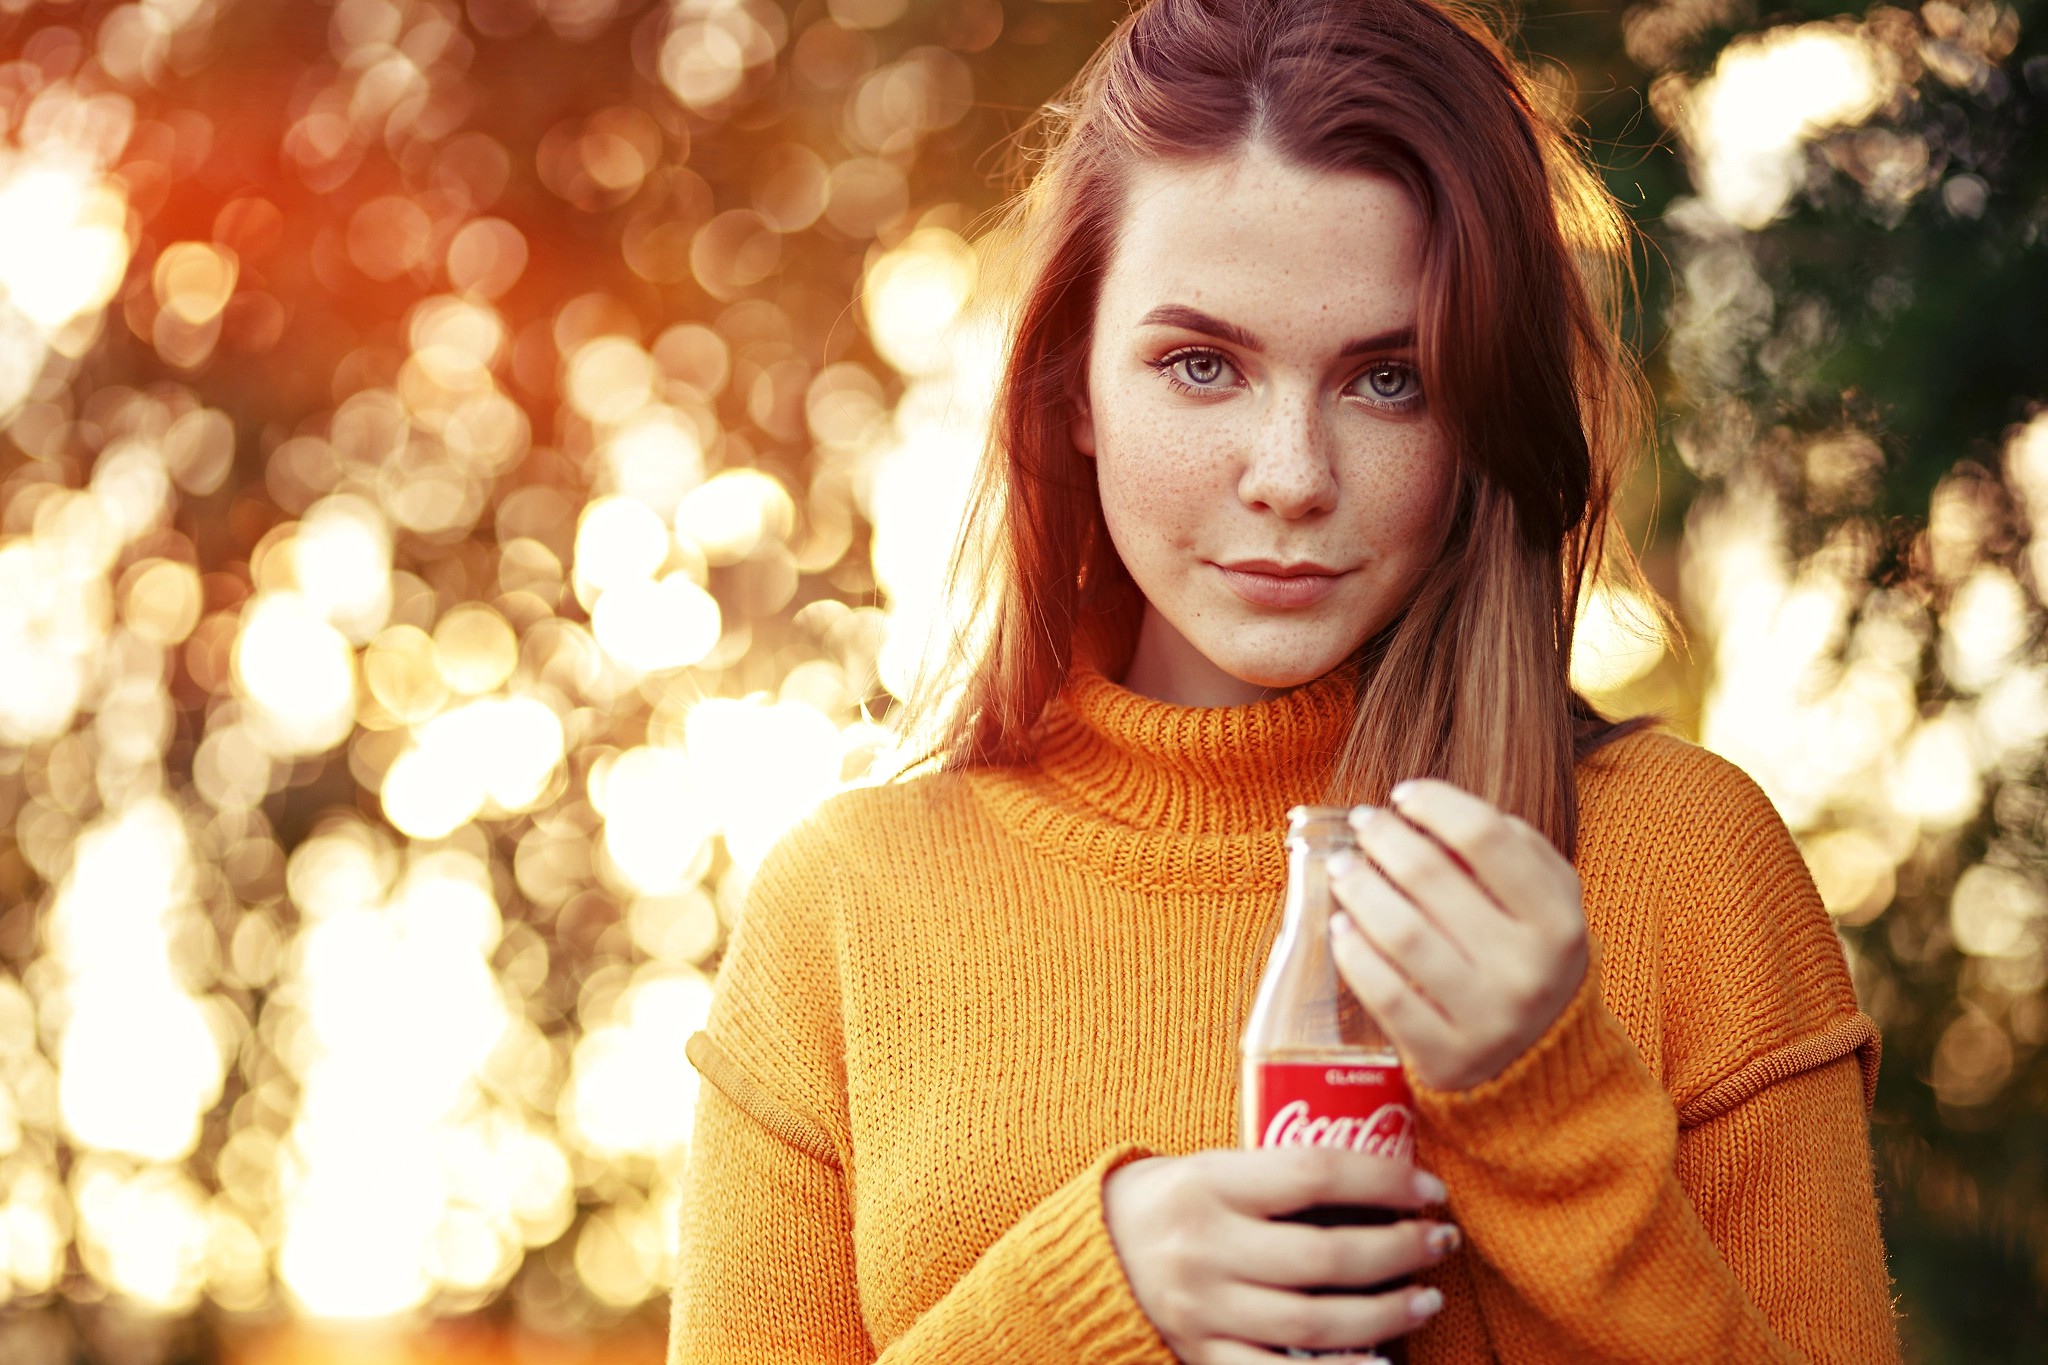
x: 1361, y: 816
x: 1429, y: 1189
x: 1442, y: 1240
x: 1342, y: 864
x: 1340, y: 924
x: 1423, y: 1302
x: 1402, y: 790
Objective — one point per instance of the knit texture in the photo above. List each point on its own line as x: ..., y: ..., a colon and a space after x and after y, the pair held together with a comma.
x: 953, y: 1005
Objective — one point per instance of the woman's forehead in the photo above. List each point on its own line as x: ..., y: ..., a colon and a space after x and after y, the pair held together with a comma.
x: 1301, y: 255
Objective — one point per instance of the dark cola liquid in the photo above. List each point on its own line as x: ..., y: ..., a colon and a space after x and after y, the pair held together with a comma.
x: 1395, y: 1352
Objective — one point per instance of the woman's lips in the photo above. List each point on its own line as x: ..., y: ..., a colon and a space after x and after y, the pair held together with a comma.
x: 1275, y: 590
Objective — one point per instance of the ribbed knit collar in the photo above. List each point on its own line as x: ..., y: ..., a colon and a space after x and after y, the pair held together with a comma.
x: 1192, y: 769
x: 1186, y: 797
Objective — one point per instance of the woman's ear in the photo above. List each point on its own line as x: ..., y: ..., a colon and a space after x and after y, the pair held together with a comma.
x: 1081, y: 425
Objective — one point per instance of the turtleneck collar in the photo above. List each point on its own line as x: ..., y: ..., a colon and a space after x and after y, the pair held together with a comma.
x: 1152, y: 793
x: 1192, y: 769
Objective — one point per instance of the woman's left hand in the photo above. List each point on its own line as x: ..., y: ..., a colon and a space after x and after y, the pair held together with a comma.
x: 1465, y: 936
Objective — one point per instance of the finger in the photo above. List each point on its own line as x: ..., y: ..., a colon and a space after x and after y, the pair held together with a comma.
x: 1427, y: 873
x: 1328, y: 1322
x: 1507, y: 855
x: 1410, y: 938
x: 1297, y: 1256
x: 1411, y: 1018
x: 1265, y: 1181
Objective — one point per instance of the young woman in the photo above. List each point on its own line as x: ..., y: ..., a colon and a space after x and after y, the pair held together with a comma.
x: 1301, y: 460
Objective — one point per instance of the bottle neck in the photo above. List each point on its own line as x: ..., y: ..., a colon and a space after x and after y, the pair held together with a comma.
x: 1308, y: 884
x: 1314, y: 835
x: 1303, y: 1006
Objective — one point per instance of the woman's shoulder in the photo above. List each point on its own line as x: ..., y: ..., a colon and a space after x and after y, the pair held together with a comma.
x: 860, y: 836
x: 1654, y: 806
x: 878, y: 823
x: 1651, y: 791
x: 1694, y: 882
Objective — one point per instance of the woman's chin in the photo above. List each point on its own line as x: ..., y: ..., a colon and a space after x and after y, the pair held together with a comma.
x: 1278, y: 672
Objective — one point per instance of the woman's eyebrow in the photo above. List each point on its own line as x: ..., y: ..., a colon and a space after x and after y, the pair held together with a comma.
x: 1195, y: 320
x: 1384, y: 341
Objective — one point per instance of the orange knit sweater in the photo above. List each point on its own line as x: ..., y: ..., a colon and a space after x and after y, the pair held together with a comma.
x: 954, y: 1004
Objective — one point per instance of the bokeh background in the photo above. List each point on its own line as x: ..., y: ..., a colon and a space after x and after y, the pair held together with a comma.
x: 475, y: 470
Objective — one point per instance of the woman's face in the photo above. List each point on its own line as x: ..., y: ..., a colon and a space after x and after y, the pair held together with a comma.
x: 1271, y: 475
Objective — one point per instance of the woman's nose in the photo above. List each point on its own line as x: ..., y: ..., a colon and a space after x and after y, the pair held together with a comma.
x: 1290, y: 468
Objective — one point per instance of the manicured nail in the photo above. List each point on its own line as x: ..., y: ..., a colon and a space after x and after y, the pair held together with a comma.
x: 1342, y: 864
x: 1361, y: 816
x: 1429, y: 1189
x: 1442, y: 1240
x: 1402, y: 791
x: 1423, y: 1302
x: 1341, y: 925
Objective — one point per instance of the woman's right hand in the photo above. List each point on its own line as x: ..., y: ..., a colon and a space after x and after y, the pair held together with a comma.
x: 1223, y: 1282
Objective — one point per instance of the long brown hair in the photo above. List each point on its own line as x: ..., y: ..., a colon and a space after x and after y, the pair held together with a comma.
x: 1519, y: 348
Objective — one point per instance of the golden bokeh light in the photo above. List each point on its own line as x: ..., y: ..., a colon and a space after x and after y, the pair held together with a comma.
x: 619, y: 541
x: 660, y: 810
x: 145, y: 1234
x: 400, y: 669
x: 63, y: 240
x: 732, y: 513
x: 161, y: 600
x: 340, y: 562
x: 610, y: 379
x: 913, y: 297
x: 1770, y: 92
x: 652, y: 626
x: 298, y: 673
x: 1998, y: 911
x: 496, y: 753
x: 487, y: 257
x: 713, y: 44
x: 656, y: 457
x: 195, y: 280
x: 1617, y: 641
x: 138, y: 1063
x: 1855, y: 872
x: 631, y: 1093
x: 1937, y: 779
x: 474, y: 649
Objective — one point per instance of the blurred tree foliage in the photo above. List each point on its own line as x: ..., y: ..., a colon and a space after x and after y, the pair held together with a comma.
x: 1908, y: 299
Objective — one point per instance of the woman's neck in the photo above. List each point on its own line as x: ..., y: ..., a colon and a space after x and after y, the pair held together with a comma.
x: 1165, y: 667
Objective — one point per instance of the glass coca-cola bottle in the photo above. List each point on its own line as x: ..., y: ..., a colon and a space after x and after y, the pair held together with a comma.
x: 1318, y: 1070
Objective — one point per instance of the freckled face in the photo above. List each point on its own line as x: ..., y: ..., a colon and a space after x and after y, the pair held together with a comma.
x: 1252, y: 397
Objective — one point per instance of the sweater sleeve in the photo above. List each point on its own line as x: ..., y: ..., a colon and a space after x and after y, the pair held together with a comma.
x: 1602, y: 1231
x: 769, y: 1271
x: 1726, y: 1211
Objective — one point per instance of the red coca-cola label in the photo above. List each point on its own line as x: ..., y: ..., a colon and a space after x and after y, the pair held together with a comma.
x: 1315, y: 1104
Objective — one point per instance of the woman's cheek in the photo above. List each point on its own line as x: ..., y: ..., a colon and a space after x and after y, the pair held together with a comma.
x: 1415, y: 496
x: 1149, y: 472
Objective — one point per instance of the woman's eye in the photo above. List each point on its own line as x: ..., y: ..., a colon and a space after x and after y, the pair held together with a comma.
x: 1201, y: 370
x: 1392, y: 384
